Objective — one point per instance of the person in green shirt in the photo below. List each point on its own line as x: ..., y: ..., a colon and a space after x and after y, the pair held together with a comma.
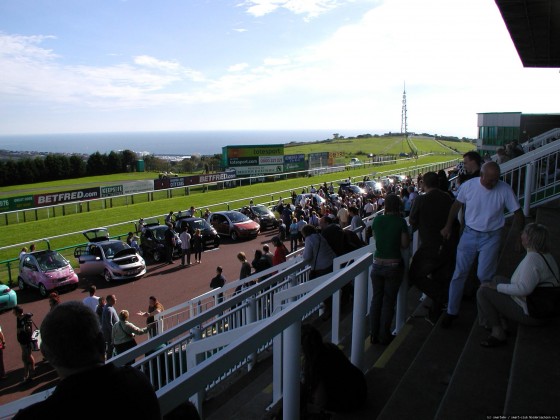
x: 391, y: 235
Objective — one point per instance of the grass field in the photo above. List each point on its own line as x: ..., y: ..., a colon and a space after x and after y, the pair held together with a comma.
x: 380, y: 146
x: 349, y: 147
x: 119, y: 212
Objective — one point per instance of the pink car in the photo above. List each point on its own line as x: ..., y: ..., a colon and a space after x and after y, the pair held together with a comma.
x: 46, y: 271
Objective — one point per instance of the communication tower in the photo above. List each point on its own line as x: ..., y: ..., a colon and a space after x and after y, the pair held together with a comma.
x: 404, y: 126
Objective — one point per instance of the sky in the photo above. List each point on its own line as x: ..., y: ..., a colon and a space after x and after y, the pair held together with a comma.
x: 85, y: 66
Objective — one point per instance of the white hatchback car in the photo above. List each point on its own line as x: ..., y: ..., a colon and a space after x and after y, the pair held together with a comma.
x: 111, y: 258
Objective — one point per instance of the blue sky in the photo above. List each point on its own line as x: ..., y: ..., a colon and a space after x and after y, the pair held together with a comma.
x: 70, y: 66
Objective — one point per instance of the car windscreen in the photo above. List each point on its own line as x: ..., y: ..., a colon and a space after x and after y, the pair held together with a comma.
x: 51, y: 261
x: 159, y: 233
x: 111, y: 249
x: 199, y: 224
x: 237, y: 217
x: 260, y: 210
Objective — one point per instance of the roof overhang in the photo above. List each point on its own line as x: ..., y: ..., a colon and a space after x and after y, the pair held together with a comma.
x: 534, y: 27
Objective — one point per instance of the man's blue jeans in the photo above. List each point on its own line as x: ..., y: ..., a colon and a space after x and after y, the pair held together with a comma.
x: 472, y: 242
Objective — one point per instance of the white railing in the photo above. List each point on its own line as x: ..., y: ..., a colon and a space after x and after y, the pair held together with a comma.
x: 534, y: 176
x: 177, y: 314
x: 541, y: 140
x: 283, y: 326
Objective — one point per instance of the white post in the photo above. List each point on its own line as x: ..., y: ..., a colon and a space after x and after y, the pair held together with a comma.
x: 292, y: 370
x: 335, y: 317
x: 529, y: 182
x: 192, y: 360
x: 402, y: 306
x: 276, y: 369
x: 251, y: 317
x: 359, y: 319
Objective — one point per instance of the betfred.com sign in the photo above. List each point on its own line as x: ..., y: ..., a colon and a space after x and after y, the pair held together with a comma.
x: 66, y: 197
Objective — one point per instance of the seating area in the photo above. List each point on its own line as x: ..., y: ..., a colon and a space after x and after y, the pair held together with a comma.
x: 434, y: 373
x: 426, y: 372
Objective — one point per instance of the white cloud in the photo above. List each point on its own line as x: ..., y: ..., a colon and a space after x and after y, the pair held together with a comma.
x: 309, y: 8
x: 276, y: 61
x: 238, y: 67
x: 457, y: 59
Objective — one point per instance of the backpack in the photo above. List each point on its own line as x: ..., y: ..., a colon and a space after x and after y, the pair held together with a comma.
x: 24, y: 334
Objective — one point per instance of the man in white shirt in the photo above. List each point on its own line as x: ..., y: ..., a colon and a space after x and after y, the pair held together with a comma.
x: 342, y: 216
x: 91, y: 301
x: 485, y: 200
x: 368, y: 208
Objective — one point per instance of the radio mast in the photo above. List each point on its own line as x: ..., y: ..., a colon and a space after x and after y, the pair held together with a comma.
x: 404, y: 126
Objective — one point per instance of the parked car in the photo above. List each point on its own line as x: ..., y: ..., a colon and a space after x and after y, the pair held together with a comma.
x: 152, y: 242
x: 46, y: 270
x: 8, y: 298
x: 277, y: 214
x: 208, y: 233
x: 316, y: 199
x: 262, y: 215
x: 375, y: 186
x: 111, y: 258
x: 234, y: 224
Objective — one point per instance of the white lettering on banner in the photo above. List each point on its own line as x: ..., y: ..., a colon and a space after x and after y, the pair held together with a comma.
x: 259, y: 170
x: 224, y: 176
x: 138, y: 186
x: 63, y: 197
x: 271, y: 160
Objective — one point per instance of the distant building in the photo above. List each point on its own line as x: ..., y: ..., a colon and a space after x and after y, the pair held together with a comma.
x: 496, y: 129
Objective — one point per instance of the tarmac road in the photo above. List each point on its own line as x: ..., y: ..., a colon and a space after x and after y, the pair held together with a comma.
x: 171, y: 284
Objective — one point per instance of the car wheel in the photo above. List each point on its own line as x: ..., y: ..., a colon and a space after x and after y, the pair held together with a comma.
x: 43, y: 290
x: 21, y: 284
x: 107, y: 275
x: 157, y: 256
x: 234, y: 235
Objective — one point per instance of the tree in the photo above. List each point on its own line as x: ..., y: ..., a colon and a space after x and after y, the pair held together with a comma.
x: 77, y: 166
x: 114, y: 163
x: 96, y: 164
x: 128, y: 160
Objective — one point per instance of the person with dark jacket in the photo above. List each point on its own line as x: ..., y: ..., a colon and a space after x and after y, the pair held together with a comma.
x: 218, y: 282
x: 330, y: 381
x: 74, y: 345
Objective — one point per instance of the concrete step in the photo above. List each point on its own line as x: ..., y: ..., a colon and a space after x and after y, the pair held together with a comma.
x: 535, y: 373
x: 422, y: 387
x: 479, y: 383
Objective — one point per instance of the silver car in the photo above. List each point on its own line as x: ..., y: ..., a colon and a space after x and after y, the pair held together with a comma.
x: 111, y: 258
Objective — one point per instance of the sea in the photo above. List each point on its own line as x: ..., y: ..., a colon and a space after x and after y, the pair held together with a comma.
x: 176, y: 143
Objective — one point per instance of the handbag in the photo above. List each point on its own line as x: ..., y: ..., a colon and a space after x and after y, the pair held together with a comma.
x: 544, y: 301
x: 36, y: 340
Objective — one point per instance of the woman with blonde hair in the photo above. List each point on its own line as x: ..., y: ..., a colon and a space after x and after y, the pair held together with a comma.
x: 504, y: 298
x: 124, y: 333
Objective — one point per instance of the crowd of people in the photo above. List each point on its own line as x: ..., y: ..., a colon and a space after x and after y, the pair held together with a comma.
x: 456, y: 227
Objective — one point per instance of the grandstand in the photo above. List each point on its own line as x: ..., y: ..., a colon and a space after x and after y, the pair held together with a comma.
x: 251, y: 339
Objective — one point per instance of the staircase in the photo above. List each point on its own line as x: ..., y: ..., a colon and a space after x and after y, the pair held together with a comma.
x: 453, y: 377
x: 434, y: 373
